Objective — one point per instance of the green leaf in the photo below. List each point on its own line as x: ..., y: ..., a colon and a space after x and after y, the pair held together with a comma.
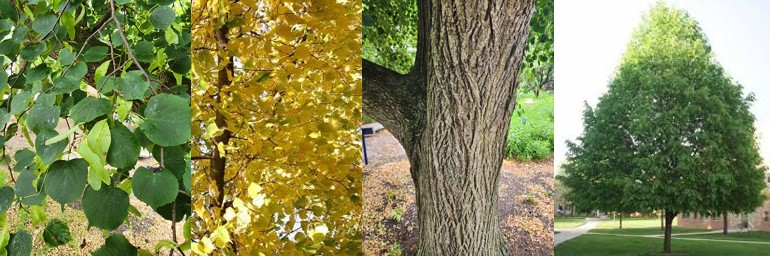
x: 97, y: 174
x: 116, y: 245
x: 62, y: 136
x: 24, y: 157
x: 133, y: 86
x: 124, y: 149
x: 78, y: 70
x: 181, y: 66
x: 155, y: 188
x: 173, y: 159
x: 123, y: 108
x: 37, y: 73
x: 99, y: 139
x: 31, y: 51
x: 171, y: 36
x: 6, y: 198
x: 8, y: 11
x: 95, y: 54
x: 26, y: 190
x: 143, y: 51
x: 89, y: 109
x: 38, y: 214
x: 66, y: 180
x: 167, y: 120
x: 182, y: 208
x: 56, y: 233
x: 163, y: 244
x: 3, y: 76
x: 162, y: 17
x: 105, y: 208
x: 49, y: 153
x: 66, y: 57
x: 20, y: 244
x: 41, y: 118
x: 68, y: 23
x: 122, y: 2
x: 186, y: 177
x: 101, y: 71
x: 44, y: 23
x: 4, y: 117
x: 20, y: 102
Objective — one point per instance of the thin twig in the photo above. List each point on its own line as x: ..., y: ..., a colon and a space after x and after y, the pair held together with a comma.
x: 128, y: 49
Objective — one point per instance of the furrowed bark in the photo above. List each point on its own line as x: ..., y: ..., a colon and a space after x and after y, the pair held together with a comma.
x: 466, y: 69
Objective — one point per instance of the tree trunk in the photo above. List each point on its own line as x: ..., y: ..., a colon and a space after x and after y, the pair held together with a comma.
x: 219, y: 162
x: 724, y: 222
x: 621, y: 220
x: 452, y: 113
x: 667, y: 233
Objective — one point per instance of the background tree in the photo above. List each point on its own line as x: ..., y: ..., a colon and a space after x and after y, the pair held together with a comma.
x: 450, y: 107
x: 597, y: 169
x: 684, y: 121
x: 105, y: 68
x: 277, y: 104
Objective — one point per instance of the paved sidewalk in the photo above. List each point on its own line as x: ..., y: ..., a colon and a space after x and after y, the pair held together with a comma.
x: 567, y: 234
x: 681, y: 237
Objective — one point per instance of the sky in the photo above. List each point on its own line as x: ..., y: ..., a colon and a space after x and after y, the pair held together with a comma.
x: 591, y: 37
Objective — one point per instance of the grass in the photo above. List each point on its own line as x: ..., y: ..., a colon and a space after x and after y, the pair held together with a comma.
x: 368, y: 119
x: 531, y: 135
x: 609, y: 244
x: 598, y: 245
x: 638, y: 226
x: 568, y: 222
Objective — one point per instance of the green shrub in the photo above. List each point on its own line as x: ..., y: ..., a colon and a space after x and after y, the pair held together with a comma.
x: 531, y: 135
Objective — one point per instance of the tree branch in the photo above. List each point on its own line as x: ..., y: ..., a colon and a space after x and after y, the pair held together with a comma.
x: 395, y: 100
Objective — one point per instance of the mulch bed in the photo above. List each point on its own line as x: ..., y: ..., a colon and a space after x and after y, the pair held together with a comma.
x: 390, y: 214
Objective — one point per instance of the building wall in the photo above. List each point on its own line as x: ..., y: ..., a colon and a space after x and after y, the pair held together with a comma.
x: 758, y: 220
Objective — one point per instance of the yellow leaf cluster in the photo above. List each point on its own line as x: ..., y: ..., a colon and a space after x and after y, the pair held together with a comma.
x: 285, y: 76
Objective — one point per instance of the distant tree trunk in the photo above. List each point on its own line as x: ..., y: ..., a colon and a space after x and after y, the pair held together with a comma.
x: 724, y: 222
x: 451, y: 114
x: 621, y: 220
x: 662, y: 220
x: 670, y: 215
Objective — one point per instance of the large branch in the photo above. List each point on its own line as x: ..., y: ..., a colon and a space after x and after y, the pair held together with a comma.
x: 395, y: 100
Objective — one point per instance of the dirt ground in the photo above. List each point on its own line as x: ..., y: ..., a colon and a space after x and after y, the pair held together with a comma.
x: 390, y: 217
x: 143, y: 231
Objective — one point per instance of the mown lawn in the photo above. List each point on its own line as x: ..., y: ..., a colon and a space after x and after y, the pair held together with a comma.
x: 614, y: 241
x: 599, y: 245
x: 638, y: 226
x: 568, y: 222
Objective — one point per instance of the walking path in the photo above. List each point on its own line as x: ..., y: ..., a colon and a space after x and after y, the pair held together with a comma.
x: 679, y: 237
x: 567, y: 234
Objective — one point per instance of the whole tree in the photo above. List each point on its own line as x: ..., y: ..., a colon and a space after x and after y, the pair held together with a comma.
x: 682, y: 127
x: 276, y: 107
x: 450, y: 108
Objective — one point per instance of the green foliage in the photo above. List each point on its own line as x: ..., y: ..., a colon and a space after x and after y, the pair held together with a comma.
x: 531, y: 136
x: 116, y: 245
x: 156, y: 188
x: 114, y: 71
x: 56, y: 233
x: 673, y: 132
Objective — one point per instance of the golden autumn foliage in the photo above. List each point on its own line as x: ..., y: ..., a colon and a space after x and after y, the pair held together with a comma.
x: 277, y: 97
